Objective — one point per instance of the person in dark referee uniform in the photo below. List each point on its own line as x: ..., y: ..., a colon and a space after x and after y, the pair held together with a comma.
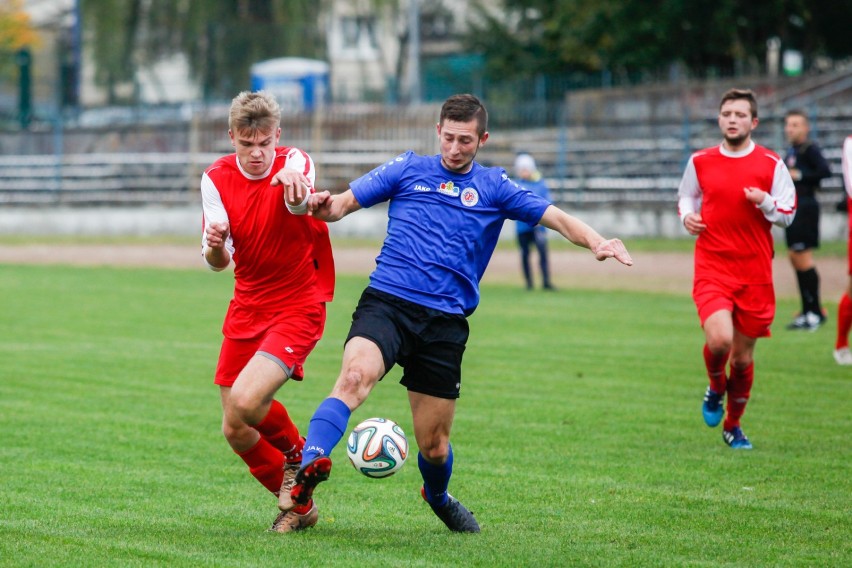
x: 807, y: 167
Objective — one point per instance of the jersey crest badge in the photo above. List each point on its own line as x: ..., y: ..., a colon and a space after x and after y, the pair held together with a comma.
x: 469, y: 197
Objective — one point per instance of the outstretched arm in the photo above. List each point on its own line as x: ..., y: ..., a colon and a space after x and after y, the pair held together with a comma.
x: 583, y: 235
x: 330, y: 208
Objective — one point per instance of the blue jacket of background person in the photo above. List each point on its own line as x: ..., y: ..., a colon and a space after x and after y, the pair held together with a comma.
x: 538, y: 187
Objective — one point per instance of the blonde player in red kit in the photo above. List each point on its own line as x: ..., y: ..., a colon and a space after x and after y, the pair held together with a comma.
x: 254, y: 203
x: 730, y: 196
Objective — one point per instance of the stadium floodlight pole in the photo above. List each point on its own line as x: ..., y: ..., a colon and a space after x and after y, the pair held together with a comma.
x: 414, y: 51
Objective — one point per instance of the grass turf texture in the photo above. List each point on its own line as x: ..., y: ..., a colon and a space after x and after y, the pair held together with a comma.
x: 578, y: 437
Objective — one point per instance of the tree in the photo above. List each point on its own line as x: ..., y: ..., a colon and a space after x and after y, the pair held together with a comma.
x: 220, y: 39
x: 16, y: 33
x: 531, y: 37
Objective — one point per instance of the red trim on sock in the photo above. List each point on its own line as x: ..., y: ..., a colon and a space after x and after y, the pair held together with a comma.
x: 266, y: 464
x: 844, y: 321
x: 279, y: 430
x: 739, y: 391
x: 716, y: 369
x: 302, y: 509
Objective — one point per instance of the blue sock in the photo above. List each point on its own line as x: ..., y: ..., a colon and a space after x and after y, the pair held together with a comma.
x: 436, y: 479
x: 325, y: 429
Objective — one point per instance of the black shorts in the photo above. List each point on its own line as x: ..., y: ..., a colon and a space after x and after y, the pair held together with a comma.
x: 803, y: 233
x: 428, y: 344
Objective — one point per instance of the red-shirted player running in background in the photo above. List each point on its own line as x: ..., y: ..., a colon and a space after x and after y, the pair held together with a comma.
x: 254, y: 204
x: 844, y: 310
x: 730, y: 196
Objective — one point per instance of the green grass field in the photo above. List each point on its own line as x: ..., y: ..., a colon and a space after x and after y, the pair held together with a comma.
x: 578, y: 438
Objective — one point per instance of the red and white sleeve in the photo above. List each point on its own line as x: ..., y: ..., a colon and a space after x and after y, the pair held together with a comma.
x: 846, y: 161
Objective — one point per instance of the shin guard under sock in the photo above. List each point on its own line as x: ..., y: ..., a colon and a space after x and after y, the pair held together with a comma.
x: 844, y: 321
x: 716, y: 370
x: 326, y: 428
x: 266, y: 464
x: 809, y: 290
x: 739, y: 391
x: 279, y: 430
x: 436, y: 478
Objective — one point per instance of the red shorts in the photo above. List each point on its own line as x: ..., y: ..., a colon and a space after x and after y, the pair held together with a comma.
x: 288, y: 342
x: 752, y: 306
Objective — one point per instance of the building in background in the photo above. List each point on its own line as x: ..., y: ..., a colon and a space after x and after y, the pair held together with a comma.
x: 377, y: 52
x: 373, y: 54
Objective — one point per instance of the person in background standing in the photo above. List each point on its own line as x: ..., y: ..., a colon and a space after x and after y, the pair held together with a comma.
x: 529, y: 177
x: 842, y: 354
x: 807, y: 167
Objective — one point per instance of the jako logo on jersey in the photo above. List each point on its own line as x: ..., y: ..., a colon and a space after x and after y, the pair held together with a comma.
x: 469, y: 197
x: 419, y: 187
x: 448, y: 188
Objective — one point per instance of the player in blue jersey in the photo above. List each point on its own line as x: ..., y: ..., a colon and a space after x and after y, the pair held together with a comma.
x: 445, y: 216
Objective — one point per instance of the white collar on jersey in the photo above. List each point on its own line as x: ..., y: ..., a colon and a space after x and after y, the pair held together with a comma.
x: 740, y: 154
x: 252, y: 177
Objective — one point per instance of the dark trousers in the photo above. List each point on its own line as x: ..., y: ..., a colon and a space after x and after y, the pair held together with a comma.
x: 526, y: 240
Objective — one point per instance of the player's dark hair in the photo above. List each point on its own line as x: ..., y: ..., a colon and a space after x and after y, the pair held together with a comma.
x: 464, y: 108
x: 254, y: 112
x: 796, y: 112
x: 741, y: 94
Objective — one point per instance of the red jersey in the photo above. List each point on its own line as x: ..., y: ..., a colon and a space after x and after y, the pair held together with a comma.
x: 737, y: 245
x: 281, y: 260
x: 846, y: 166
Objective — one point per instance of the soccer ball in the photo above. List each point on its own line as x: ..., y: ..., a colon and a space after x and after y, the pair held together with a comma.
x: 377, y: 447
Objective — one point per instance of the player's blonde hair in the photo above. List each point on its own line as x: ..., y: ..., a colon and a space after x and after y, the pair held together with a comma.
x: 253, y: 112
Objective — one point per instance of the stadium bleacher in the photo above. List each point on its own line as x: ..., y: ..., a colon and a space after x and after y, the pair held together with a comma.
x: 610, y: 148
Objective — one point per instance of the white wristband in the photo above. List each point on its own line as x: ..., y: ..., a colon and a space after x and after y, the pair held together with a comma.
x: 301, y: 208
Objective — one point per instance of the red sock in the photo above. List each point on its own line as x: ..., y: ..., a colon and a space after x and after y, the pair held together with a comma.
x: 279, y: 430
x: 844, y: 321
x: 739, y: 390
x: 715, y: 369
x: 266, y: 464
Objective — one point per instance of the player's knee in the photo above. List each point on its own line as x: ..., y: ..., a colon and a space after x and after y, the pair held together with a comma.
x: 245, y: 407
x: 353, y: 383
x: 740, y: 362
x: 236, y: 435
x: 719, y: 344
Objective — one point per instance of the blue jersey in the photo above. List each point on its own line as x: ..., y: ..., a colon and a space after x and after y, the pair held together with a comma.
x: 442, y: 227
